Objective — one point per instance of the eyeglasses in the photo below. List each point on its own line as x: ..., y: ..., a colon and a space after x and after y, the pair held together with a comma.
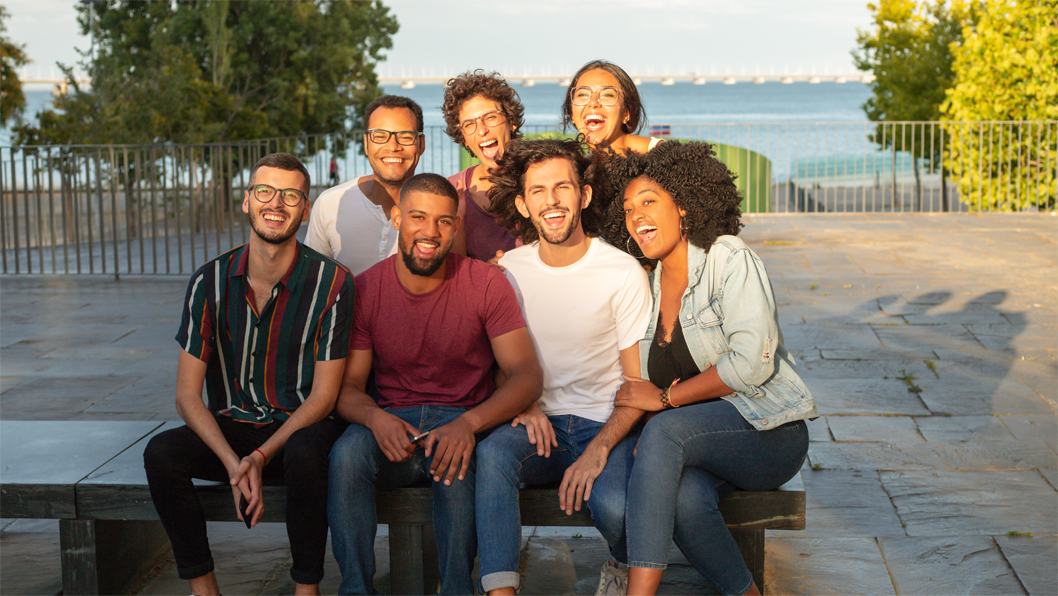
x: 380, y: 136
x: 490, y: 119
x: 608, y: 96
x: 291, y: 196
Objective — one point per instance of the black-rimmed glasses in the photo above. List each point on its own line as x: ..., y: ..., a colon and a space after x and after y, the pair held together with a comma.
x: 608, y: 96
x: 291, y: 197
x: 380, y: 136
x: 490, y: 119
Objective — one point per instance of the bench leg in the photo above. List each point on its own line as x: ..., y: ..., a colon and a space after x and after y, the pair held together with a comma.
x: 751, y: 543
x: 108, y: 556
x: 413, y: 562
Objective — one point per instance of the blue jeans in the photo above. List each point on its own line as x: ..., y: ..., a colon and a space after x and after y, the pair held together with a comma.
x: 688, y: 459
x: 358, y: 467
x: 506, y: 461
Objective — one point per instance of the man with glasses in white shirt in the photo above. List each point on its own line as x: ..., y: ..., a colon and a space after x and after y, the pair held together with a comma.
x: 351, y: 222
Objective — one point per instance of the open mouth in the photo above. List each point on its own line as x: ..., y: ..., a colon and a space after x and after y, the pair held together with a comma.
x: 594, y: 122
x: 393, y: 160
x: 274, y: 219
x: 554, y: 218
x: 426, y: 249
x: 645, y: 233
x: 490, y: 149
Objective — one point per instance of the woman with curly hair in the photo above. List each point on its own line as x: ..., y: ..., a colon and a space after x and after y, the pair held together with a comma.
x: 603, y: 104
x: 731, y: 403
x: 483, y: 114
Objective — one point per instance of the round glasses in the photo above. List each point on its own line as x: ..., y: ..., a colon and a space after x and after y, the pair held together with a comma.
x: 380, y: 136
x: 291, y: 197
x: 608, y: 96
x: 490, y: 119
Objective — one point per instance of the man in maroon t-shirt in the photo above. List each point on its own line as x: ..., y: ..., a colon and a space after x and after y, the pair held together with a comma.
x: 432, y: 326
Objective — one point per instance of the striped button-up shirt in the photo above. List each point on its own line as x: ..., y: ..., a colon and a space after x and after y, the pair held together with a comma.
x: 261, y: 364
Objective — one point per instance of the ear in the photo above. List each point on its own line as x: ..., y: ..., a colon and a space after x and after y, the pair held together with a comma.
x: 519, y: 204
x: 458, y: 225
x: 305, y: 213
x: 683, y: 213
x: 246, y: 202
x: 422, y: 144
x: 585, y: 196
x: 394, y: 217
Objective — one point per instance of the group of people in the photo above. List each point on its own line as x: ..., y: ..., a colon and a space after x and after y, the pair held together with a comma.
x: 492, y: 330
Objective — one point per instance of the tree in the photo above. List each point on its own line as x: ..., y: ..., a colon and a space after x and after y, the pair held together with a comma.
x: 203, y: 71
x: 909, y: 53
x: 1005, y: 87
x: 12, y: 56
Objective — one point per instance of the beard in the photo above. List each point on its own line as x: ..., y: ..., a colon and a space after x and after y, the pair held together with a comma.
x: 419, y: 266
x: 557, y: 236
x: 268, y: 235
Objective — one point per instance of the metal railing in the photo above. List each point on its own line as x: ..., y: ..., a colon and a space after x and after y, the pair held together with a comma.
x: 165, y: 209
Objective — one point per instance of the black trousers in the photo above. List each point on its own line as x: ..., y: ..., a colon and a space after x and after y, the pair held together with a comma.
x: 174, y: 457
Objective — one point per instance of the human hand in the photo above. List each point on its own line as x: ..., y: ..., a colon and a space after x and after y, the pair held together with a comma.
x: 392, y: 435
x: 496, y: 260
x: 539, y: 428
x: 452, y: 446
x: 246, y: 482
x: 579, y: 478
x: 638, y: 393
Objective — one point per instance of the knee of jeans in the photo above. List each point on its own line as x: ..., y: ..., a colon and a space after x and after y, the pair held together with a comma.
x: 353, y: 454
x: 608, y: 513
x: 160, y: 454
x: 494, y: 458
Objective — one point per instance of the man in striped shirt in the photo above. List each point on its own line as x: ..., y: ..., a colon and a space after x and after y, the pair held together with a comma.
x: 265, y: 329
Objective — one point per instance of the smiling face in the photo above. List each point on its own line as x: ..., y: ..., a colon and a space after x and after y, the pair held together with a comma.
x: 553, y: 200
x: 598, y: 123
x: 652, y: 217
x: 275, y: 222
x: 487, y: 144
x: 392, y: 162
x: 427, y: 225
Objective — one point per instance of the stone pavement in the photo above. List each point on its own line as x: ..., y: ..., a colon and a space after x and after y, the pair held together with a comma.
x: 929, y: 342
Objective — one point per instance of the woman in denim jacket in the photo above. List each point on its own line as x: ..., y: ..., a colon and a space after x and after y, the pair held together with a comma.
x: 731, y: 403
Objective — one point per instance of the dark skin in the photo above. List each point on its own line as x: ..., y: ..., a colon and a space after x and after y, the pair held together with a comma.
x: 651, y: 210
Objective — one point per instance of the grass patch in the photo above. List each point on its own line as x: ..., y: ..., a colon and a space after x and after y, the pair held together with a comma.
x: 932, y: 366
x: 1017, y: 533
x: 909, y: 378
x: 813, y: 286
x: 817, y: 467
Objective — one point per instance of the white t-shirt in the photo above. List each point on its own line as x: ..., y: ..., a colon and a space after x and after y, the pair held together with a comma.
x: 580, y: 317
x: 346, y: 226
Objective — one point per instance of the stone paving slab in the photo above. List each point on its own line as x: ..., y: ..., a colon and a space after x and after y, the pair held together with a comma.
x: 948, y: 566
x: 887, y: 429
x: 1028, y: 428
x: 962, y: 429
x: 846, y: 503
x: 30, y: 562
x: 973, y: 502
x: 864, y: 396
x: 1035, y: 561
x: 813, y: 566
x: 999, y: 455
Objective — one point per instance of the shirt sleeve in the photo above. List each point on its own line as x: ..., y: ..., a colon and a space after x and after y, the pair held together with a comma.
x: 751, y: 324
x: 502, y: 312
x: 333, y: 342
x: 322, y: 226
x: 632, y: 306
x: 195, y: 334
x: 360, y: 333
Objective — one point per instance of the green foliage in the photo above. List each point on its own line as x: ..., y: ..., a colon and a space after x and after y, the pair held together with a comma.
x: 12, y: 56
x: 1005, y: 71
x: 203, y: 71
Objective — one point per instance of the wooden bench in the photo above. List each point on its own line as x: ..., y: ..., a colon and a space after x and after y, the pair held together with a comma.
x: 89, y: 476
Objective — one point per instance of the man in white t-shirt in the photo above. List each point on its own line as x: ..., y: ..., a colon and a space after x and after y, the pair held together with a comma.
x: 350, y: 222
x: 587, y: 305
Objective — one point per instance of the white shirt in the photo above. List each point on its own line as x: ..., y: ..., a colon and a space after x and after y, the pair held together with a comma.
x: 580, y: 317
x: 346, y: 226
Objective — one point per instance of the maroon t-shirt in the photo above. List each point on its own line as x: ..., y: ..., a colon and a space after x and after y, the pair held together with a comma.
x: 433, y: 348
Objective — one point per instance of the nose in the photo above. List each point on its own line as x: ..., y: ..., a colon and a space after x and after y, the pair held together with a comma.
x: 431, y: 229
x: 593, y: 100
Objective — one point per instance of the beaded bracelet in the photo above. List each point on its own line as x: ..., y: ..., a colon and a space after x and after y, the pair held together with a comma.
x: 666, y: 404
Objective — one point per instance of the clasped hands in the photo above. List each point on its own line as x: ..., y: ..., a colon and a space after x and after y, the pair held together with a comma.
x: 452, y: 444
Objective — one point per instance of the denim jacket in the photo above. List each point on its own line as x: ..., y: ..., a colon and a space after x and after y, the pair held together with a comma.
x: 730, y: 322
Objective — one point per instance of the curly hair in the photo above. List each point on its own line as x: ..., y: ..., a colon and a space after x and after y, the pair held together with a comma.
x: 637, y: 114
x: 489, y: 85
x: 700, y: 184
x: 508, y: 183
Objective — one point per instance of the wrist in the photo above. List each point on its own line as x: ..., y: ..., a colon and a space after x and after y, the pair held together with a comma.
x: 264, y: 458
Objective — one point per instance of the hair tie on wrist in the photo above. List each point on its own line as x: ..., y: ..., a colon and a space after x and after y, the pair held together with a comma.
x: 263, y: 456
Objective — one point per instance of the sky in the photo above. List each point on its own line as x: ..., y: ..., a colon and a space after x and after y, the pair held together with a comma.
x: 556, y: 37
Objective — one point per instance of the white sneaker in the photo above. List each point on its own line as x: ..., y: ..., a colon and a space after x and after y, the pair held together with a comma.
x: 613, y: 581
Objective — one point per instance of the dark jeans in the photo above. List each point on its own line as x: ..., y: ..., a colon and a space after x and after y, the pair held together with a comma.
x: 174, y: 457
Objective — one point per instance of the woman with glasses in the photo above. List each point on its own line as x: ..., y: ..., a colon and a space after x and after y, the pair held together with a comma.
x: 731, y: 406
x: 483, y: 114
x: 603, y: 104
